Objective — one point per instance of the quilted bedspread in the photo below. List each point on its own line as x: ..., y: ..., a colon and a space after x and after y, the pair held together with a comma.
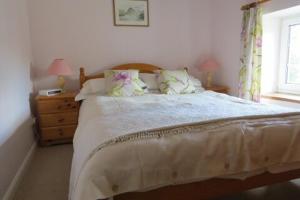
x: 127, y: 144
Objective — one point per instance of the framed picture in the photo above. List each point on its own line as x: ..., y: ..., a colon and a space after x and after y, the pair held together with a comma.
x: 131, y: 12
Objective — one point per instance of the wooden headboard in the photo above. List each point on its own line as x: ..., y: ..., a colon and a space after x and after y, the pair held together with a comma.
x: 143, y: 68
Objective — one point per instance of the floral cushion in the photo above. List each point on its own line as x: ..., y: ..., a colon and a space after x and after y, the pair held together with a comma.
x: 123, y: 83
x: 175, y: 82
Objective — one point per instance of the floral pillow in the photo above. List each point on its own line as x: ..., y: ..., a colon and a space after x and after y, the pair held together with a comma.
x: 175, y: 82
x: 123, y: 83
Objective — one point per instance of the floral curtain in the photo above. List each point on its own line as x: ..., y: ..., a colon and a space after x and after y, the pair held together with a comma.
x: 251, y: 56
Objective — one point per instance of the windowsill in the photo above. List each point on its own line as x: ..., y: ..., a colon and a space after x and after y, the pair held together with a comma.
x: 282, y: 97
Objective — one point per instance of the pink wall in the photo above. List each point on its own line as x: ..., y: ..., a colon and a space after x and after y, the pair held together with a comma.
x: 82, y: 32
x: 180, y: 33
x: 226, y: 28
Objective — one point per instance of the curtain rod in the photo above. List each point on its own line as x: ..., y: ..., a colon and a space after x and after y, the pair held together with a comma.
x: 254, y: 4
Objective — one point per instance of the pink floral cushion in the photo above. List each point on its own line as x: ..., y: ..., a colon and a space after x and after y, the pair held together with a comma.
x: 123, y: 83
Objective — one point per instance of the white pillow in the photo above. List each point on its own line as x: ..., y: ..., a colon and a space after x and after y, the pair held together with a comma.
x: 97, y: 86
x: 80, y: 96
x: 150, y: 80
x: 197, y: 83
x: 142, y: 84
x: 94, y: 86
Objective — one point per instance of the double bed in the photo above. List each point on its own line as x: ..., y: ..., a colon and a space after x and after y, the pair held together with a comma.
x: 194, y: 146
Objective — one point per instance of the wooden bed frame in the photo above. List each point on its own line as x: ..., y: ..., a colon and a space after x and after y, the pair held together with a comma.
x: 208, y: 189
x: 143, y: 68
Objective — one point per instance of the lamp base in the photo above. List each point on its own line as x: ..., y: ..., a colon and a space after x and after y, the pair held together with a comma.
x: 209, y: 79
x: 61, y: 83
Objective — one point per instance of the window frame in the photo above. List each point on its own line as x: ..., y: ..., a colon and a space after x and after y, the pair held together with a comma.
x: 283, y: 86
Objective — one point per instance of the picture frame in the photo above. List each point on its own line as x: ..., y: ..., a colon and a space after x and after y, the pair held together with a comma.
x: 131, y: 13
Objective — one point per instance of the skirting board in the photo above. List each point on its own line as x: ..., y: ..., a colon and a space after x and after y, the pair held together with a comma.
x: 12, y: 189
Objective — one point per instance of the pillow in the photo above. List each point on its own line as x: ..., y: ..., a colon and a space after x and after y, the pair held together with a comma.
x: 197, y: 83
x: 150, y: 80
x: 81, y: 96
x: 124, y: 83
x: 92, y: 86
x: 175, y: 82
x: 142, y: 84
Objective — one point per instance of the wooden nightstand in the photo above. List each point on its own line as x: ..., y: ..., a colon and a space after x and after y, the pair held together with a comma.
x: 218, y: 88
x: 57, y: 118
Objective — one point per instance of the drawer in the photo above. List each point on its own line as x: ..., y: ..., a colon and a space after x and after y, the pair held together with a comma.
x: 54, y: 106
x: 58, y: 119
x: 58, y: 133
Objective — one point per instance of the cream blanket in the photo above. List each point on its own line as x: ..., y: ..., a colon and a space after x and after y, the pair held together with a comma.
x: 139, y: 143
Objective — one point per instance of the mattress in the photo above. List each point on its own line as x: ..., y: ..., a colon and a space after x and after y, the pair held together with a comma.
x: 128, y: 144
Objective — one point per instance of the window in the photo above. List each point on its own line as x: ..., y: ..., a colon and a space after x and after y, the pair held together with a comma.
x: 289, y: 73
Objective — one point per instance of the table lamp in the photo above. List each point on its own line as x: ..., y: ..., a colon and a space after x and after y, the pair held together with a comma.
x: 60, y: 68
x: 209, y: 66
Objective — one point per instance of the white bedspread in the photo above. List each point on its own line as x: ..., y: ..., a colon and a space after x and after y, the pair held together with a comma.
x: 138, y: 143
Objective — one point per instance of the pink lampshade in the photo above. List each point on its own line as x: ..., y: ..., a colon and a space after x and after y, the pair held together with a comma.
x: 209, y: 65
x: 60, y: 67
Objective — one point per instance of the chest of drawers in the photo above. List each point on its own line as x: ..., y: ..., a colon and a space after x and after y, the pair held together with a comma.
x: 57, y: 118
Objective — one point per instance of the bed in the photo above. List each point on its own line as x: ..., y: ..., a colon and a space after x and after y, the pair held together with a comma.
x: 197, y: 146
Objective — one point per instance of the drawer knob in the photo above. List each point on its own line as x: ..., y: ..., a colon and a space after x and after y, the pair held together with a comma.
x: 61, y: 120
x: 59, y: 107
x: 60, y: 132
x: 68, y: 104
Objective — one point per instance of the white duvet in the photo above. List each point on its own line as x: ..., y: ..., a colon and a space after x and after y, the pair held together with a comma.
x: 138, y: 143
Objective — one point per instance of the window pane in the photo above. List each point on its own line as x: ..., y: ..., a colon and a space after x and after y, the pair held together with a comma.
x: 293, y: 76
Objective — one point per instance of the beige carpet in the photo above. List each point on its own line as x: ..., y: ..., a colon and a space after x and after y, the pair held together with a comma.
x: 48, y: 175
x: 48, y: 179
